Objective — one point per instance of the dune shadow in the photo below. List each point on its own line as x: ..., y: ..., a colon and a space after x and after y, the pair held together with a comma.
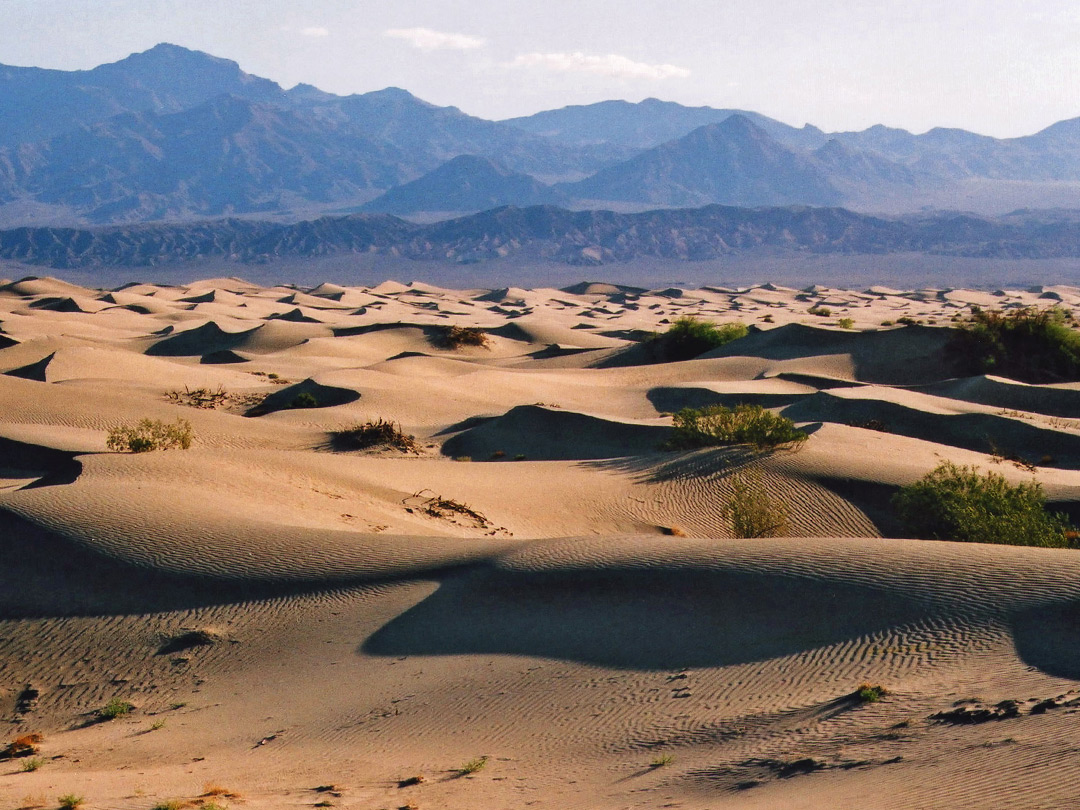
x: 1048, y: 638
x: 639, y: 619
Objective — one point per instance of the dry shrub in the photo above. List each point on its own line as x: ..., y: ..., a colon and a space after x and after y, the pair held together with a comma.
x: 380, y: 433
x: 150, y: 434
x: 454, y: 337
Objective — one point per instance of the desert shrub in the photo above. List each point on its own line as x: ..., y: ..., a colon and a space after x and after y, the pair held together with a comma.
x: 472, y: 766
x: 454, y: 337
x: 70, y: 801
x: 1030, y: 345
x: 888, y: 323
x: 32, y: 764
x: 304, y: 400
x: 870, y: 692
x: 958, y: 503
x: 22, y: 746
x: 846, y: 323
x: 170, y: 804
x: 114, y: 708
x: 662, y: 761
x: 746, y: 424
x: 688, y: 337
x: 820, y: 311
x: 753, y: 512
x: 380, y: 433
x: 907, y: 320
x: 150, y: 434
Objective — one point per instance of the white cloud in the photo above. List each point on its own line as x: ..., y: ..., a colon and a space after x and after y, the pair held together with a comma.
x: 315, y: 31
x: 428, y: 40
x: 608, y: 65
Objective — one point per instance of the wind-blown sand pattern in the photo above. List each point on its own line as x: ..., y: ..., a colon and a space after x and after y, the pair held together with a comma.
x: 292, y: 625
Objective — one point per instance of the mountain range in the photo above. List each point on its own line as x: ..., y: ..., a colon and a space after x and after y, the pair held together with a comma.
x: 172, y: 134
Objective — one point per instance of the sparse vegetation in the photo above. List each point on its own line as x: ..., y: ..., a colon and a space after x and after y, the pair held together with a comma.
x: 149, y: 435
x: 846, y: 323
x: 454, y: 337
x: 745, y: 424
x: 753, y: 512
x: 662, y: 761
x: 157, y: 725
x: 472, y: 766
x: 888, y: 323
x: 688, y: 337
x: 115, y: 708
x: 25, y: 745
x: 380, y: 433
x: 70, y: 801
x: 170, y: 804
x: 958, y: 503
x: 820, y: 311
x: 203, y: 398
x: 304, y: 400
x: 32, y: 764
x: 870, y: 692
x: 1027, y: 344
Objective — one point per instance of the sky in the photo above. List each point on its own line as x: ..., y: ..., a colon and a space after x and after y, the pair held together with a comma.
x: 996, y: 67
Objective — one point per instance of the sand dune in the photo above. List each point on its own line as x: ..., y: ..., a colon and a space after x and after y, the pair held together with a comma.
x: 535, y: 579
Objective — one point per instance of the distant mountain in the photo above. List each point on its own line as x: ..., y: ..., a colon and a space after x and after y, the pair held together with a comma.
x: 546, y: 233
x: 465, y: 183
x: 648, y: 124
x: 228, y: 155
x: 38, y: 104
x: 173, y: 134
x: 734, y: 162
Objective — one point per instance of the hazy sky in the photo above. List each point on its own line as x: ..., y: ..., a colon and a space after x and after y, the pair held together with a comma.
x: 997, y: 67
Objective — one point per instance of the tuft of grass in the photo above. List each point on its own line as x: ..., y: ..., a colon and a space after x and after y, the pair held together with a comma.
x: 954, y: 502
x: 870, y: 692
x: 888, y: 323
x: 32, y: 764
x: 211, y: 789
x: 212, y: 806
x: 472, y: 766
x: 170, y: 804
x: 454, y: 337
x: 150, y: 434
x: 157, y: 725
x: 70, y: 801
x: 115, y: 708
x: 846, y: 323
x: 746, y: 424
x: 753, y: 512
x: 380, y: 433
x: 662, y: 761
x: 1027, y: 344
x: 688, y: 337
x: 820, y: 311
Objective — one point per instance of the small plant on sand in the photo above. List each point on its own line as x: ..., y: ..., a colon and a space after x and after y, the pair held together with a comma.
x: 157, y: 725
x: 870, y: 692
x: 662, y: 761
x: 380, y: 433
x: 688, y: 337
x: 753, y: 512
x: 70, y: 801
x: 149, y: 435
x: 745, y: 424
x: 170, y: 804
x: 454, y: 337
x: 210, y: 789
x: 25, y: 745
x: 1028, y: 344
x: 304, y: 400
x: 846, y: 323
x: 212, y: 806
x: 958, y: 503
x: 32, y: 764
x: 203, y: 398
x: 114, y: 708
x: 820, y: 311
x: 472, y: 766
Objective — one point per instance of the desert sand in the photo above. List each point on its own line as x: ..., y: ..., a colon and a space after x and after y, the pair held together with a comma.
x: 294, y: 628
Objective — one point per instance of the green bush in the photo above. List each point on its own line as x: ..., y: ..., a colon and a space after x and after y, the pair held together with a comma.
x: 820, y: 311
x: 958, y: 503
x: 150, y: 434
x: 753, y: 512
x: 688, y: 337
x: 114, y: 708
x: 1030, y: 345
x: 304, y: 400
x: 70, y: 801
x: 870, y: 692
x: 846, y: 323
x: 746, y: 424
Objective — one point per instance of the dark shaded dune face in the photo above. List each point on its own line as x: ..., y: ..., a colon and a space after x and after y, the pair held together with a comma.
x: 999, y: 392
x: 903, y: 356
x: 540, y: 433
x: 26, y: 460
x: 305, y: 394
x: 981, y: 432
x: 674, y: 398
x: 202, y: 340
x: 640, y: 619
x: 1048, y: 638
x: 33, y: 371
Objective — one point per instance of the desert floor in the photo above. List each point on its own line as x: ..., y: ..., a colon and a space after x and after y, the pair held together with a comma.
x: 299, y: 625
